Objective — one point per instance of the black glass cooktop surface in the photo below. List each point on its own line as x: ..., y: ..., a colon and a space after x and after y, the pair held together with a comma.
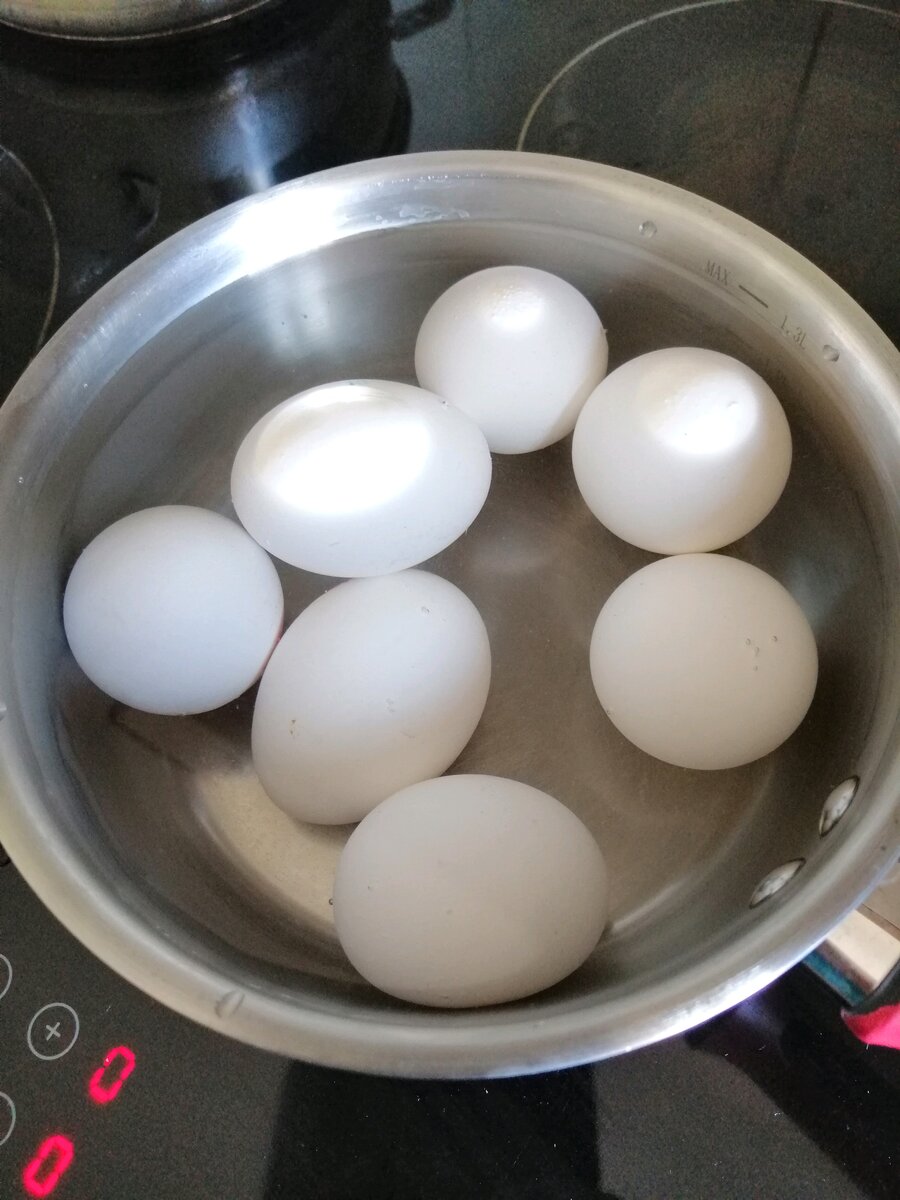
x: 783, y: 112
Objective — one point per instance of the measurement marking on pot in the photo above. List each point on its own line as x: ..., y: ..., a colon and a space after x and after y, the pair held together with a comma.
x: 793, y: 332
x: 716, y: 271
x: 753, y: 295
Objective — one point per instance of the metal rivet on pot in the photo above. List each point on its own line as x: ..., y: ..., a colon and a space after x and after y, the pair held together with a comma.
x: 227, y: 1005
x: 830, y: 353
x: 647, y: 229
x: 775, y: 881
x: 839, y: 800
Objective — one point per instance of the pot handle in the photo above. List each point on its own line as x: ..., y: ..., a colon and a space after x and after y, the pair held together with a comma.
x: 879, y: 1026
x: 860, y: 960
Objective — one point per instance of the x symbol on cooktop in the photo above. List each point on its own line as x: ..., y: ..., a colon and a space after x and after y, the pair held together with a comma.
x: 52, y: 1031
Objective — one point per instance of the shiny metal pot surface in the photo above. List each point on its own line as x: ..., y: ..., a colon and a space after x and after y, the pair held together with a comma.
x: 151, y: 839
x: 120, y: 19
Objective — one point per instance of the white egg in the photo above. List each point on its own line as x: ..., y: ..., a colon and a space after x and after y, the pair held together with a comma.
x: 681, y: 450
x: 517, y: 349
x: 377, y: 684
x: 360, y: 478
x: 173, y: 610
x: 469, y: 890
x: 704, y: 661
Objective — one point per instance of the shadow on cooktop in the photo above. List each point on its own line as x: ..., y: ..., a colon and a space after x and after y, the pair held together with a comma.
x: 352, y: 1137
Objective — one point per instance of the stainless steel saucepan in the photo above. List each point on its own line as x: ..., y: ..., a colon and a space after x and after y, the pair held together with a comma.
x: 150, y: 837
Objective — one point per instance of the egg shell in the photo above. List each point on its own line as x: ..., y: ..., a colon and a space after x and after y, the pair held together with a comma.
x: 173, y: 610
x: 360, y: 478
x: 704, y: 661
x: 518, y: 350
x: 681, y: 450
x: 469, y: 890
x: 377, y: 684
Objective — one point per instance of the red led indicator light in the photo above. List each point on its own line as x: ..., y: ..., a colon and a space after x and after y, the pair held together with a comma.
x: 53, y: 1159
x: 106, y: 1082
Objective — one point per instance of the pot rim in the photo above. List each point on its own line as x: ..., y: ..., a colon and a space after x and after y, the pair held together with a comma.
x: 199, y: 979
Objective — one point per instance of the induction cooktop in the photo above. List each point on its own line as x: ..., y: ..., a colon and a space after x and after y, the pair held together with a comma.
x: 782, y: 112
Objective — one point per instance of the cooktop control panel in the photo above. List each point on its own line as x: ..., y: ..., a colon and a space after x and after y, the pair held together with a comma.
x: 102, y: 1090
x: 69, y: 1061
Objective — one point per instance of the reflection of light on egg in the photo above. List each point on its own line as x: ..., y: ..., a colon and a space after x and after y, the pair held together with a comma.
x: 349, y: 461
x: 173, y: 610
x: 360, y: 478
x: 681, y: 450
x: 515, y: 307
x: 704, y: 661
x: 698, y: 417
x: 378, y: 684
x: 469, y: 890
x: 517, y: 349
